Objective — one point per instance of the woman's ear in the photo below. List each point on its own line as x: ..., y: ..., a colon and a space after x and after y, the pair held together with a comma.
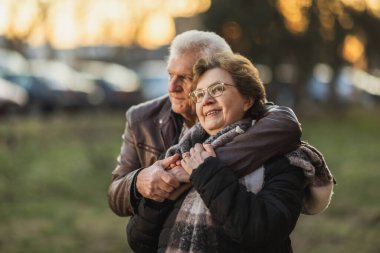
x: 248, y: 103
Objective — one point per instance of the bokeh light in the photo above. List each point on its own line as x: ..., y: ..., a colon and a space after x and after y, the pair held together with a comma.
x: 353, y: 49
x: 68, y: 24
x: 159, y: 26
x: 295, y: 14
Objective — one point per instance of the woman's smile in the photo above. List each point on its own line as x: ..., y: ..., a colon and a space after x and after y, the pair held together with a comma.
x: 212, y: 113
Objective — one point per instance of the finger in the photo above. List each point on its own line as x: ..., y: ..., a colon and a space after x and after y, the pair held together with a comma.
x: 186, y: 167
x: 182, y: 176
x: 158, y: 198
x: 163, y: 190
x: 185, y: 155
x: 169, y: 160
x: 198, y: 147
x: 169, y: 180
x: 178, y: 172
x: 209, y: 149
x: 192, y: 151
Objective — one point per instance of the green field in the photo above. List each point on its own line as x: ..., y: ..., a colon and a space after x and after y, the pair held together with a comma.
x: 54, y: 174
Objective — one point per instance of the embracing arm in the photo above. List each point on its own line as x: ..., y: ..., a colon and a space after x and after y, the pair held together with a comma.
x: 277, y: 133
x: 255, y: 221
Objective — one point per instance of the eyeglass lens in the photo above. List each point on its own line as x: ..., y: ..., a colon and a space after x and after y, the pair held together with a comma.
x: 214, y: 90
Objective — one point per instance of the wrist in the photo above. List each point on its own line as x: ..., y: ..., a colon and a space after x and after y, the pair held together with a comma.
x: 135, y: 190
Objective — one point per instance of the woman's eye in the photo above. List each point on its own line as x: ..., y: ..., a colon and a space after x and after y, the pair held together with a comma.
x: 215, y: 90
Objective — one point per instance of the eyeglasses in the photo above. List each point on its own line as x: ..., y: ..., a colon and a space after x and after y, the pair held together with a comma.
x: 214, y: 90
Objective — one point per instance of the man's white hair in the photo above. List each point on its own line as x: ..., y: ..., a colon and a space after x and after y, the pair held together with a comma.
x: 198, y: 43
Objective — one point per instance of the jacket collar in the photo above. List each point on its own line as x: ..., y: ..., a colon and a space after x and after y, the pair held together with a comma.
x: 169, y: 123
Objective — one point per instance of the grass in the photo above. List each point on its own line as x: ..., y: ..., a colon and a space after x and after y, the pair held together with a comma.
x: 350, y: 145
x: 54, y: 178
x: 54, y: 174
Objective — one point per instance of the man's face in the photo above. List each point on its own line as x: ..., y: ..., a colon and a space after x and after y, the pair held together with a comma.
x: 180, y: 84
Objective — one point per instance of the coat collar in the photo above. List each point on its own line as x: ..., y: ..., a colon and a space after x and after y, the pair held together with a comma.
x: 169, y: 123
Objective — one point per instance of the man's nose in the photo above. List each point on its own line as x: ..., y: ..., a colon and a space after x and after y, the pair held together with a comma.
x: 175, y: 84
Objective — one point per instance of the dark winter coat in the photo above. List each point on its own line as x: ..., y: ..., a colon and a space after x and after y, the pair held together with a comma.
x: 247, y: 222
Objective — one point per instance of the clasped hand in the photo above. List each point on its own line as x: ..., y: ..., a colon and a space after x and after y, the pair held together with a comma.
x: 168, y: 178
x: 197, y: 155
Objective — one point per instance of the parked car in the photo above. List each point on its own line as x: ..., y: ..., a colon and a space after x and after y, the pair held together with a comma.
x: 45, y: 94
x: 113, y: 96
x: 154, y: 78
x: 116, y: 85
x: 63, y: 77
x: 40, y: 96
x: 12, y: 97
x: 12, y: 62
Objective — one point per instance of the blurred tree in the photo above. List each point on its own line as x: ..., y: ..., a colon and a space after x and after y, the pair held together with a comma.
x: 19, y: 28
x: 300, y: 33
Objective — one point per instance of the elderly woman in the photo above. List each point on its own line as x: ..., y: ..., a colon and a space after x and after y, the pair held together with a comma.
x: 248, y: 209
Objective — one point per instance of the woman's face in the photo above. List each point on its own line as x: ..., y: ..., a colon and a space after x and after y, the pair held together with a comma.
x: 214, y: 113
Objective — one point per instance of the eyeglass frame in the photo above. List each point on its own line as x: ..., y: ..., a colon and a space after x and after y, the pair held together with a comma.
x: 196, y: 100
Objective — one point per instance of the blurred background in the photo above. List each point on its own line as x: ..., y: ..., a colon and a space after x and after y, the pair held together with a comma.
x: 69, y: 69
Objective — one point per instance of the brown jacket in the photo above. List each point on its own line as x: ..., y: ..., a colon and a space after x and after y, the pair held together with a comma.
x: 152, y: 128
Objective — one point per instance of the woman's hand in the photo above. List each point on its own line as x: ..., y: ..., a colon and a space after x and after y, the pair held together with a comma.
x: 197, y: 155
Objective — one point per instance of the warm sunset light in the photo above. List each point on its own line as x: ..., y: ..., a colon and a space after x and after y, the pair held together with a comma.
x: 25, y: 14
x: 159, y: 26
x: 295, y: 14
x: 373, y: 7
x: 353, y: 49
x: 74, y: 23
x: 186, y: 8
x: 358, y: 5
x: 4, y: 20
x: 62, y: 28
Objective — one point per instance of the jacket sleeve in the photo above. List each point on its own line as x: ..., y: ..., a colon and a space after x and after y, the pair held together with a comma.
x: 120, y: 190
x: 277, y: 133
x: 257, y: 222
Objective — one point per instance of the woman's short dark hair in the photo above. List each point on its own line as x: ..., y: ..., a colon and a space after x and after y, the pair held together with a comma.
x: 244, y: 74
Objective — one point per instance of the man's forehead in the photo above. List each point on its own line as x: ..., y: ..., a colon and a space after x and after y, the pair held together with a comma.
x: 183, y: 63
x: 180, y: 69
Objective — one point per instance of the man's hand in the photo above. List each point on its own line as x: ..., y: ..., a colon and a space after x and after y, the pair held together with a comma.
x: 155, y: 183
x: 180, y: 173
